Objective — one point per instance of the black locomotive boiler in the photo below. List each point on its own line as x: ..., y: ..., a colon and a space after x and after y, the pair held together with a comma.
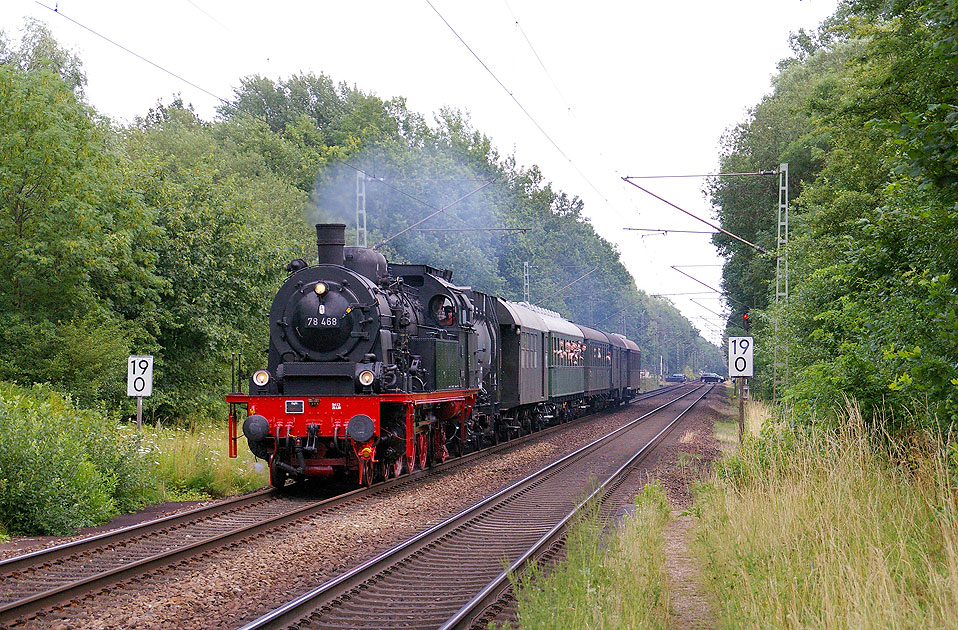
x: 376, y: 369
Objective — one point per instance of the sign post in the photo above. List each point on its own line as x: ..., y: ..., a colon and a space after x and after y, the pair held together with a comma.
x: 139, y: 383
x: 740, y: 351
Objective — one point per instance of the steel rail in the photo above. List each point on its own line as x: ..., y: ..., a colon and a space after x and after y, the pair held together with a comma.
x: 18, y: 564
x: 69, y: 590
x: 301, y: 606
x: 492, y: 591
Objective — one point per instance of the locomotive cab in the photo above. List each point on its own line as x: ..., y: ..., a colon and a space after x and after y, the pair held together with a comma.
x: 353, y: 367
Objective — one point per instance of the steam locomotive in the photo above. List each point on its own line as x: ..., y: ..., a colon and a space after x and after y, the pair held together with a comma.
x: 376, y: 369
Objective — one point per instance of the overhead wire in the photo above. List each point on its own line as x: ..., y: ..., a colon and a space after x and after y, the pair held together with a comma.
x: 481, y: 229
x: 438, y: 211
x: 225, y: 102
x: 667, y: 230
x: 700, y: 175
x: 727, y: 296
x: 520, y: 105
x: 565, y: 102
x: 382, y: 180
x: 369, y: 177
x: 538, y: 58
x: 209, y: 15
x: 697, y: 218
x: 690, y: 266
x: 560, y: 290
x: 394, y: 188
x: 707, y: 308
x: 138, y: 56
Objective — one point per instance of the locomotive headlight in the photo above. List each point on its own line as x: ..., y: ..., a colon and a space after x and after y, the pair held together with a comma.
x: 261, y: 377
x: 366, y: 378
x: 320, y: 288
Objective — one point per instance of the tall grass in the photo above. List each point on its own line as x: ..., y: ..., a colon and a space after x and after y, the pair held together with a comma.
x: 757, y: 414
x: 846, y: 529
x: 611, y: 581
x: 193, y: 463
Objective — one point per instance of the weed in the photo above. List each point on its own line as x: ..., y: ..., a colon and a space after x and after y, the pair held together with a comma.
x: 192, y: 464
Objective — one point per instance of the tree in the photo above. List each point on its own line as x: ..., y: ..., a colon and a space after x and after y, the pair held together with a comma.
x: 871, y: 313
x: 64, y: 225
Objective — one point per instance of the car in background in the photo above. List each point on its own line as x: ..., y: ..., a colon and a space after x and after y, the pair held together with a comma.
x: 675, y: 378
x: 711, y: 377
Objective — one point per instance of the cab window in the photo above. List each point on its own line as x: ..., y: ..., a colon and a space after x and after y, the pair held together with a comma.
x: 443, y: 310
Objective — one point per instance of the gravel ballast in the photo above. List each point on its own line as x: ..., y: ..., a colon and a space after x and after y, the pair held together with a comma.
x: 237, y: 584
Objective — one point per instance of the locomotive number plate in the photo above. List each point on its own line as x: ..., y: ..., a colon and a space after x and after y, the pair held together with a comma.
x: 294, y: 406
x: 323, y: 322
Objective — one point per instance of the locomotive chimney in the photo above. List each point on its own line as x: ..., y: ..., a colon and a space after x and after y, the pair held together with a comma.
x: 330, y: 239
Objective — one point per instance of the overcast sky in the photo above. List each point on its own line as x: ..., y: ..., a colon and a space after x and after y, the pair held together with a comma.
x: 623, y: 88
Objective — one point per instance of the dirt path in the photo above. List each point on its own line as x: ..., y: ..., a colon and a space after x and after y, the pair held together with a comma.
x: 690, y: 606
x: 688, y: 462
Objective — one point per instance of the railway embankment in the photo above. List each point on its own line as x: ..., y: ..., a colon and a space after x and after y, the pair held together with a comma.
x: 847, y: 528
x: 641, y: 573
x: 203, y: 592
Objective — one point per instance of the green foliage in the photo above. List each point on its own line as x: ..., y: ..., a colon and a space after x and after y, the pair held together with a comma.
x: 761, y: 459
x: 221, y: 244
x: 193, y: 464
x: 869, y: 132
x: 66, y: 229
x: 652, y: 499
x: 63, y: 468
x: 38, y: 51
x: 837, y: 528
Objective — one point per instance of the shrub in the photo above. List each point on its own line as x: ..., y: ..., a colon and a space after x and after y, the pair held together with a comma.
x: 63, y: 468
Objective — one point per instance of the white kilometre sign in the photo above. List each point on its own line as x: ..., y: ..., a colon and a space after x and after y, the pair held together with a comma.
x: 139, y: 376
x: 740, y: 356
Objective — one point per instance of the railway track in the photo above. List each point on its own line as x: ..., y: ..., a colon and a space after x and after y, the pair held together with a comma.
x: 49, y: 577
x: 446, y: 576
